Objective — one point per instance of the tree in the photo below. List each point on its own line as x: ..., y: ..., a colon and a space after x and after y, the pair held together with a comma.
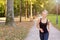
x: 20, y: 9
x: 10, y: 13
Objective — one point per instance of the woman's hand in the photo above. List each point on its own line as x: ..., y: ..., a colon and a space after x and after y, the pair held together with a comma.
x: 41, y: 30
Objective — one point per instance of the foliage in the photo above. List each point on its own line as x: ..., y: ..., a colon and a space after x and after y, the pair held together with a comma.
x: 37, y: 5
x: 2, y: 8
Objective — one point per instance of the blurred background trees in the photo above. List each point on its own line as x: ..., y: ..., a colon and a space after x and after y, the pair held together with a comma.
x: 2, y: 8
x: 37, y: 6
x: 28, y: 8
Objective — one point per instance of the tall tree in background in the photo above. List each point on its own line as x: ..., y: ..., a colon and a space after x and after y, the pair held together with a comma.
x: 20, y: 9
x: 10, y: 12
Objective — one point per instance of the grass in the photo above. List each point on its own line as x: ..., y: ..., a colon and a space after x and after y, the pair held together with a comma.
x: 52, y: 18
x: 15, y: 33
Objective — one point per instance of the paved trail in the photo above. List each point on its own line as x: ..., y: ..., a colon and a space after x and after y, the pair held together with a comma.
x: 34, y: 33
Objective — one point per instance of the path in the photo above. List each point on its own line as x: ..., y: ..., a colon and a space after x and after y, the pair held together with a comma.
x: 2, y: 19
x: 34, y: 33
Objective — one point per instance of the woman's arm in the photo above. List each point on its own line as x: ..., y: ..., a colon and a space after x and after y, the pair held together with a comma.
x: 37, y: 25
x: 48, y: 26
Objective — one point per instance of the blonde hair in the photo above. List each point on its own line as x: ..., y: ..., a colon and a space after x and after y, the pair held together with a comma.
x: 45, y: 11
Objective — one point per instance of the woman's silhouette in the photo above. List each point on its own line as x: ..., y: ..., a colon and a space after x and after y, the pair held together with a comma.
x: 43, y: 26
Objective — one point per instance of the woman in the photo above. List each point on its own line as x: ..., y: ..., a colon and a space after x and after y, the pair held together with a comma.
x: 43, y: 26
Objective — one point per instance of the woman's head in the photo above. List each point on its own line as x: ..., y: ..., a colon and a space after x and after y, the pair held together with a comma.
x: 44, y: 13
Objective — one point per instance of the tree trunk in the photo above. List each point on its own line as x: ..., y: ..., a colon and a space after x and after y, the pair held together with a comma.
x: 10, y: 13
x: 26, y: 10
x: 20, y: 9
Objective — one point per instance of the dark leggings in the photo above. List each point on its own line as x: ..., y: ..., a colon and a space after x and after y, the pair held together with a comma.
x: 44, y: 36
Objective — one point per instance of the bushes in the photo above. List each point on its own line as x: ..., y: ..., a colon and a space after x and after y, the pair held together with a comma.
x: 2, y: 11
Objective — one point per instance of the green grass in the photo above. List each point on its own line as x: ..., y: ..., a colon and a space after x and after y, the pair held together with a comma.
x: 52, y: 18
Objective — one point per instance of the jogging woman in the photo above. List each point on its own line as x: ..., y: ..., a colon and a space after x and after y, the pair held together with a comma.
x: 43, y: 26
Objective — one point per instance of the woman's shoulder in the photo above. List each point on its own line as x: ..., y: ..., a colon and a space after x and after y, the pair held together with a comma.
x: 38, y: 19
x: 48, y: 20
